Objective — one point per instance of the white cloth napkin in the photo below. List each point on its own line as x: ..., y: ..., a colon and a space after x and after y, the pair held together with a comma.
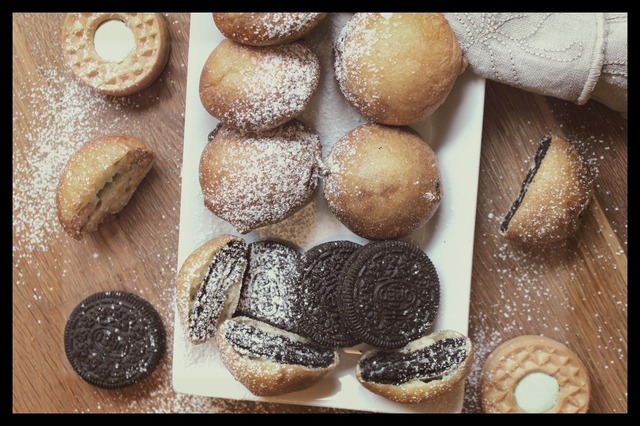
x: 571, y: 56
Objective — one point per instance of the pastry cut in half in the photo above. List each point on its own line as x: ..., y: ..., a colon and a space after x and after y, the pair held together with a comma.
x: 556, y: 191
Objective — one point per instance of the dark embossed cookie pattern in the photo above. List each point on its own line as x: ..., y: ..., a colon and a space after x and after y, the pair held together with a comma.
x: 320, y: 285
x: 114, y: 339
x: 390, y: 294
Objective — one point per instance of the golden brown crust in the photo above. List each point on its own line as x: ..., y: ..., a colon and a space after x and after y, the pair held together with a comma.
x: 136, y: 72
x: 266, y: 29
x: 417, y: 391
x: 265, y: 377
x: 555, y: 199
x: 99, y: 180
x: 258, y: 88
x: 515, y: 358
x: 191, y: 275
x: 257, y: 179
x: 382, y: 182
x: 397, y: 68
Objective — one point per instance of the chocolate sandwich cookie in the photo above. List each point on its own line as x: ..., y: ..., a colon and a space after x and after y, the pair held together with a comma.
x: 320, y: 286
x: 390, y: 294
x: 114, y: 339
x: 269, y: 287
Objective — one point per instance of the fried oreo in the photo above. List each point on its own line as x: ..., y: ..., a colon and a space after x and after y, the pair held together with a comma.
x: 269, y: 287
x: 114, y: 339
x: 422, y: 370
x: 320, y: 286
x: 390, y: 294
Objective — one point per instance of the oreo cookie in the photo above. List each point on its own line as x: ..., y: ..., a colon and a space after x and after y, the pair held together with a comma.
x: 320, y: 287
x: 269, y: 287
x: 390, y: 294
x: 114, y: 339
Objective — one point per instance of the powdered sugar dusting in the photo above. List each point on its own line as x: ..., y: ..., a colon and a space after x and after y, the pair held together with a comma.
x: 329, y: 112
x: 259, y: 179
x: 269, y: 289
x: 277, y: 87
x: 530, y: 298
x: 355, y: 68
x: 55, y: 133
x: 278, y: 25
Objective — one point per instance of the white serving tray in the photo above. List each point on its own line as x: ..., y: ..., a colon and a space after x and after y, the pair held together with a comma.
x: 454, y: 132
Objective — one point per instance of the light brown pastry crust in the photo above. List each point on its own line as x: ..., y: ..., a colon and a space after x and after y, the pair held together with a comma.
x: 397, y: 68
x: 549, y: 207
x: 416, y: 391
x: 264, y: 377
x: 190, y: 278
x: 99, y: 180
x: 266, y: 29
x: 515, y: 358
x: 136, y: 72
x: 257, y: 179
x: 258, y: 88
x: 382, y: 182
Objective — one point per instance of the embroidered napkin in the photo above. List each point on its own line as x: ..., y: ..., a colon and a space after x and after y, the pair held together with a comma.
x: 572, y: 56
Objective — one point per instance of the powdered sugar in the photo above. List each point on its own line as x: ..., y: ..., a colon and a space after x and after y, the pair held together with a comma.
x: 269, y: 287
x: 352, y: 63
x: 59, y: 125
x: 276, y: 86
x: 259, y: 179
x: 266, y: 29
x: 280, y: 24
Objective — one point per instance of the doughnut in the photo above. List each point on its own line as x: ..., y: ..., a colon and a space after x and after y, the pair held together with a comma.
x: 534, y: 374
x: 397, y: 68
x: 258, y: 88
x: 266, y: 29
x: 423, y: 370
x: 556, y: 191
x: 256, y: 179
x: 99, y: 180
x: 208, y: 285
x: 382, y: 182
x: 269, y: 361
x: 121, y: 75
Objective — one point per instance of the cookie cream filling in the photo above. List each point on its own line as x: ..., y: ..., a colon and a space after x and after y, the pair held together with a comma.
x: 114, y: 40
x: 537, y: 392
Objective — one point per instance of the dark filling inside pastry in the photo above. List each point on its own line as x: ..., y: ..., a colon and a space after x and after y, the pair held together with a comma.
x: 427, y: 364
x: 540, y: 154
x: 225, y: 270
x: 252, y: 341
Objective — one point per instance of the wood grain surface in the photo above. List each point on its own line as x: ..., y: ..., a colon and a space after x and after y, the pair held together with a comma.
x: 575, y: 292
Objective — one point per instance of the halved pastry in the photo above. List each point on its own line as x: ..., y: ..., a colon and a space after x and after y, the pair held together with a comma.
x: 556, y: 191
x: 424, y: 369
x: 209, y: 283
x: 269, y: 361
x: 99, y: 180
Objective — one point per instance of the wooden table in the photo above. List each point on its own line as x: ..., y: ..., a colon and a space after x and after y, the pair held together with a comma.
x: 575, y: 292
